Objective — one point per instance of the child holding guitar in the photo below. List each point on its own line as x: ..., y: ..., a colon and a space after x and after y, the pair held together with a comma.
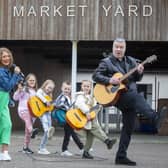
x: 85, y: 101
x: 63, y: 102
x: 22, y: 94
x: 45, y: 91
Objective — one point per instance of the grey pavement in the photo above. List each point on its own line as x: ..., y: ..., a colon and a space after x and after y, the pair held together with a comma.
x: 149, y: 151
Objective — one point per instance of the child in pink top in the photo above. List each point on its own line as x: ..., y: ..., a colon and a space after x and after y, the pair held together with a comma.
x: 22, y: 94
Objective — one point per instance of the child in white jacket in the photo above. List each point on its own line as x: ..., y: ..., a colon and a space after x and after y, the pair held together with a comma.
x: 85, y: 101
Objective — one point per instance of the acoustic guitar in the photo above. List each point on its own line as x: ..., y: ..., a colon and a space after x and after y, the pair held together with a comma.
x: 37, y: 107
x: 108, y: 95
x: 77, y: 119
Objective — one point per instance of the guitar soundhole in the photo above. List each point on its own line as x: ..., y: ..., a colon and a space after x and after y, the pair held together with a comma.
x: 114, y: 88
x: 77, y: 117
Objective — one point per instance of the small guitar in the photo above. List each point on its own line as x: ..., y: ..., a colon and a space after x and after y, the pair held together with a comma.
x: 108, y: 95
x: 77, y: 119
x: 37, y: 107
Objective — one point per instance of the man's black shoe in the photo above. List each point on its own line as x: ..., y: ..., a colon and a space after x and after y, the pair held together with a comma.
x: 87, y: 155
x: 110, y: 143
x: 124, y: 161
x: 34, y: 133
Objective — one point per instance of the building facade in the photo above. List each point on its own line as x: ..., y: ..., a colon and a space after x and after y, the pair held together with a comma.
x: 65, y: 40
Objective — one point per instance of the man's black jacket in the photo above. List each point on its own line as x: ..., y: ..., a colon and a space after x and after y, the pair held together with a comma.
x: 110, y: 65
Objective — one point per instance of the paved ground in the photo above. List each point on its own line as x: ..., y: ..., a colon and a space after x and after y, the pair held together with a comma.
x: 150, y: 151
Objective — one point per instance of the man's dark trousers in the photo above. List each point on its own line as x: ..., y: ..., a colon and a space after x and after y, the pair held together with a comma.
x: 130, y: 103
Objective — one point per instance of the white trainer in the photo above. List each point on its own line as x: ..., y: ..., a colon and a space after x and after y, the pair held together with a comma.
x: 66, y: 153
x: 91, y: 150
x: 43, y: 151
x: 81, y: 151
x: 5, y: 156
x: 50, y: 132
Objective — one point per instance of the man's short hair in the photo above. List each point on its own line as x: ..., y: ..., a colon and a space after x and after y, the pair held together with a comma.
x: 118, y: 39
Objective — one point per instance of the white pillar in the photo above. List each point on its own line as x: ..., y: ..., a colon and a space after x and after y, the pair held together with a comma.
x: 74, y: 69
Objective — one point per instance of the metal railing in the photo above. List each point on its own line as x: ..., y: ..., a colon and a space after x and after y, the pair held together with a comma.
x: 110, y: 119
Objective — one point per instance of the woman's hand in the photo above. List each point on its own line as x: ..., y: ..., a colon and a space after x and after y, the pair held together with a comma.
x: 17, y: 70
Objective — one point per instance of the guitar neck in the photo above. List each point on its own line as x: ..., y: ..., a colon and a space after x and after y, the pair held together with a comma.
x: 131, y: 71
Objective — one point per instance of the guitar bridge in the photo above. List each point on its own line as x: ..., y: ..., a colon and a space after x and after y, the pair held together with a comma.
x: 114, y: 88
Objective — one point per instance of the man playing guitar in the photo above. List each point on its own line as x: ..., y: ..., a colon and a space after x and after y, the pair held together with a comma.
x: 128, y: 101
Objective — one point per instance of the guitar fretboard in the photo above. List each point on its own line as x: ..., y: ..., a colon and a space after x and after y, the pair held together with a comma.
x: 148, y: 60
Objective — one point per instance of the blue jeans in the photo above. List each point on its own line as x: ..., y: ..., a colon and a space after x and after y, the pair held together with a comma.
x: 46, y: 123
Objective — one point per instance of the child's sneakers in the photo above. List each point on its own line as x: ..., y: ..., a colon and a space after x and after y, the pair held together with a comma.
x: 34, y: 133
x: 43, y: 151
x: 66, y: 153
x: 27, y: 150
x: 110, y: 142
x: 82, y: 150
x: 50, y: 132
x: 5, y: 156
x: 91, y: 150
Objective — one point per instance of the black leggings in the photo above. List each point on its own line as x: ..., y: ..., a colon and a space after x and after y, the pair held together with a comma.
x: 68, y: 131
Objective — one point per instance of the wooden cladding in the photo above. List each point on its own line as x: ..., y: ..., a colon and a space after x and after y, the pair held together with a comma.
x: 144, y: 20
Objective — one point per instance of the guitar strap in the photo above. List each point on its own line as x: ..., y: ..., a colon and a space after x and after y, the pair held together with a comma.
x: 109, y: 63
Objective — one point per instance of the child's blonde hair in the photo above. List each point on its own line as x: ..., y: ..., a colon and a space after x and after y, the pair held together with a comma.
x: 48, y: 81
x: 88, y: 82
